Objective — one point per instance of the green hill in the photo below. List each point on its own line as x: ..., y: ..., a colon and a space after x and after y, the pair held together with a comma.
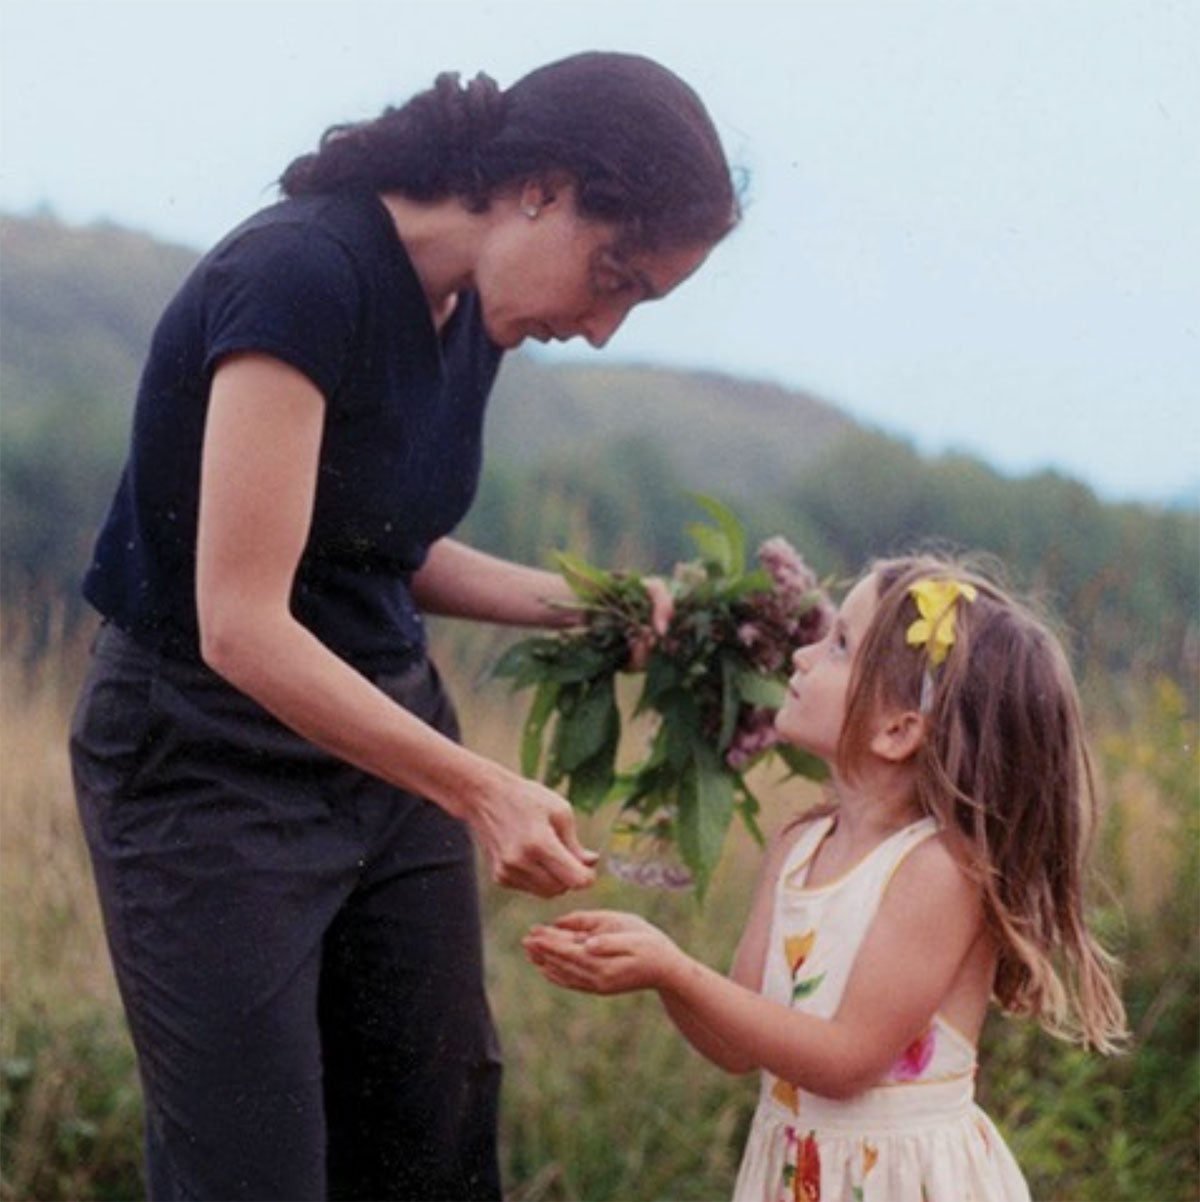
x: 78, y: 306
x: 598, y: 456
x: 739, y: 438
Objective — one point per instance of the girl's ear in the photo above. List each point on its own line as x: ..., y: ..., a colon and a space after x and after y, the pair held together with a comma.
x: 899, y: 736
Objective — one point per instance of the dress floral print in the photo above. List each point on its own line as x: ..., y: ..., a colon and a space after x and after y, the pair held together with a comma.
x: 915, y: 1137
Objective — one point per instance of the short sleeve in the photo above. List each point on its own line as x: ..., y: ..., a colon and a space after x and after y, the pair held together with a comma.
x: 291, y: 291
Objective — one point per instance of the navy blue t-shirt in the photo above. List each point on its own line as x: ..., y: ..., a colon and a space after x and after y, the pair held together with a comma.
x: 324, y: 284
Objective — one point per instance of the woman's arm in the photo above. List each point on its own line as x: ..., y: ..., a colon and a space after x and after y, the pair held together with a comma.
x: 928, y: 922
x: 258, y: 483
x: 459, y: 582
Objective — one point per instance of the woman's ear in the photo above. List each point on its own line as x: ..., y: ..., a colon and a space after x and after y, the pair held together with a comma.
x: 899, y: 736
x: 542, y: 191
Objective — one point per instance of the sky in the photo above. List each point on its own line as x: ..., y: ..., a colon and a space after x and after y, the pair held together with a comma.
x: 973, y: 224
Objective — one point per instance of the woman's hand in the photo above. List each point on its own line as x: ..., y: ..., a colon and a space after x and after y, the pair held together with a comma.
x: 528, y: 836
x: 603, y: 952
x: 662, y: 609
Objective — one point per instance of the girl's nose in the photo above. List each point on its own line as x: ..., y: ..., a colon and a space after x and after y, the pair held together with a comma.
x: 800, y: 659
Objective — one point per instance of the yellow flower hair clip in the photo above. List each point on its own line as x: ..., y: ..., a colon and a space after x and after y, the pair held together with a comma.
x: 934, y: 629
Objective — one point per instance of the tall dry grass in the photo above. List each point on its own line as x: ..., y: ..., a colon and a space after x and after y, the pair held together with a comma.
x: 68, y: 1097
x: 602, y: 1100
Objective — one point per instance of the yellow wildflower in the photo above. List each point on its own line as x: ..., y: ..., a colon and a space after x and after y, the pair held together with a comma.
x: 935, y: 601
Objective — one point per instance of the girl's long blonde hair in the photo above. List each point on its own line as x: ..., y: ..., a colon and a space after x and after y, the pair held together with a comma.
x: 1004, y: 769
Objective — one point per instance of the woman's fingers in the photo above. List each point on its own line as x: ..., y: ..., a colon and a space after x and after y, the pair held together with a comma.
x: 563, y: 822
x: 662, y: 604
x: 531, y: 844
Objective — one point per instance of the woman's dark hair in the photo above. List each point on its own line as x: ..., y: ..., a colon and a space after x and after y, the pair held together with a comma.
x: 635, y: 140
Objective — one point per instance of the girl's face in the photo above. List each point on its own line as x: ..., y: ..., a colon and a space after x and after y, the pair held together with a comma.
x: 814, y: 709
x: 554, y: 276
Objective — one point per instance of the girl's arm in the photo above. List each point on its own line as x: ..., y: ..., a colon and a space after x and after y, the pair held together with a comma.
x: 748, y: 963
x: 928, y: 921
x: 258, y: 482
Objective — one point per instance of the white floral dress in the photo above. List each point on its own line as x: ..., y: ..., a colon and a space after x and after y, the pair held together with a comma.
x: 918, y: 1136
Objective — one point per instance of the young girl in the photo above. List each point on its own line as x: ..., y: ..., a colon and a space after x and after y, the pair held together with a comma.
x: 949, y: 870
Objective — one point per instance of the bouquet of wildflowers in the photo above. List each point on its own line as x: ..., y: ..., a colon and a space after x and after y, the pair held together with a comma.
x: 711, y: 685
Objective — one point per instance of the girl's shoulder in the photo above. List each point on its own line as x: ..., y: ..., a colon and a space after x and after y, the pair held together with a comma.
x: 932, y: 867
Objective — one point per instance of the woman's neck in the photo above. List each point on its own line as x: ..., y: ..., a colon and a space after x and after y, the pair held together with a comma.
x: 441, y: 238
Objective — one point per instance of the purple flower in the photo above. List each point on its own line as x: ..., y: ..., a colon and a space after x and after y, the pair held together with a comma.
x: 755, y: 734
x: 791, y: 575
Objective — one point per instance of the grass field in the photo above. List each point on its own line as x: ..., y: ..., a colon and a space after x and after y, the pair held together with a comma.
x: 602, y: 1100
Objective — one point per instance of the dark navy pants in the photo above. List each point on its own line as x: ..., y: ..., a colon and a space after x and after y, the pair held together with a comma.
x: 297, y: 946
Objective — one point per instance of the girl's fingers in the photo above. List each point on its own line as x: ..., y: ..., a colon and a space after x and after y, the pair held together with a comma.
x: 565, y: 973
x: 581, y: 920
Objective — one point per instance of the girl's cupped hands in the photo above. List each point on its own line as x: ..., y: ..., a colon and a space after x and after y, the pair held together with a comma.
x: 603, y: 952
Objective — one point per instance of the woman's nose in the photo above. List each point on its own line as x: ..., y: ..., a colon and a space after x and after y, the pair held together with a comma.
x: 800, y: 659
x: 599, y: 326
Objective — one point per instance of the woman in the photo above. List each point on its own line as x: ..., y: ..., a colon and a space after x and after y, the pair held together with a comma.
x: 279, y: 813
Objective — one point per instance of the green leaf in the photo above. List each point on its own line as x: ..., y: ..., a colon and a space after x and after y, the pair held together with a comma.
x: 766, y: 692
x: 802, y: 763
x: 578, y: 660
x: 732, y: 531
x: 748, y: 585
x: 524, y: 661
x: 662, y: 677
x: 588, y: 583
x: 680, y: 722
x: 592, y: 781
x: 714, y: 548
x: 587, y: 726
x: 748, y: 808
x: 705, y: 812
x: 544, y: 702
x: 731, y: 702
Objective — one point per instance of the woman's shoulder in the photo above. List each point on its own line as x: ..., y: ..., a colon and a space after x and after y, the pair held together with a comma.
x: 306, y: 229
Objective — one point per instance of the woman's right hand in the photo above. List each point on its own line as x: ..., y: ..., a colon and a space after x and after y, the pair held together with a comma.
x: 528, y: 836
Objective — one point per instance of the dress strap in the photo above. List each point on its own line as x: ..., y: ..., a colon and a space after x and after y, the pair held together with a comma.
x: 894, y: 850
x: 795, y: 865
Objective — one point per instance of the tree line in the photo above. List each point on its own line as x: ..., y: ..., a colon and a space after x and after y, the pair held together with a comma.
x: 597, y: 460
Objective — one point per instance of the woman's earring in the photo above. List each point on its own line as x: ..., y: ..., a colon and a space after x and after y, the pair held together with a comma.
x: 530, y: 211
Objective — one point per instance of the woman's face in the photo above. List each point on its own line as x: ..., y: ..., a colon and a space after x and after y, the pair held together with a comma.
x: 546, y: 273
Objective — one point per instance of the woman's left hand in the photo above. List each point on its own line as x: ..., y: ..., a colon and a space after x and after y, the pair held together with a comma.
x: 662, y: 609
x: 603, y: 952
